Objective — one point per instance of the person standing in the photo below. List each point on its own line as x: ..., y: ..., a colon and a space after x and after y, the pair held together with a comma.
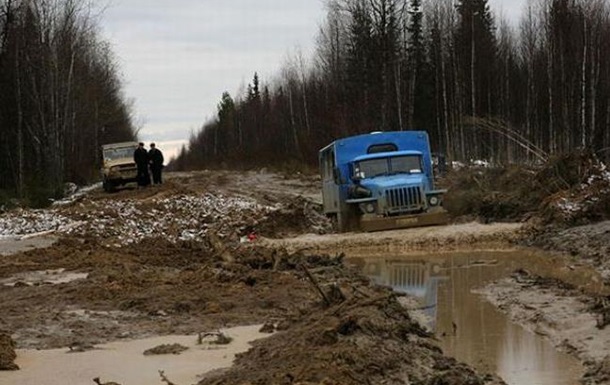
x: 155, y: 157
x: 140, y: 156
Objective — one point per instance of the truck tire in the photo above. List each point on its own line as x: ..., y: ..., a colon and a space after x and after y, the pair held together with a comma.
x: 348, y: 220
x: 107, y: 185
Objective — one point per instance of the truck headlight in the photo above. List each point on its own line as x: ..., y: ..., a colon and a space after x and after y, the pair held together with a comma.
x: 433, y: 200
x: 368, y: 208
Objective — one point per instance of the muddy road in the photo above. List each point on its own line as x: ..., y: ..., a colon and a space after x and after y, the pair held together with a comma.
x: 211, y: 251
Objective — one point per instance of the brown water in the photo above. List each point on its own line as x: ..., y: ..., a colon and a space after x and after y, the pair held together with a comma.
x: 469, y: 328
x: 124, y: 362
x: 51, y: 277
x: 13, y: 245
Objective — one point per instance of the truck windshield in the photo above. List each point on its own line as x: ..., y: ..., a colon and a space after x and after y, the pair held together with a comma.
x: 387, y: 166
x: 118, y: 153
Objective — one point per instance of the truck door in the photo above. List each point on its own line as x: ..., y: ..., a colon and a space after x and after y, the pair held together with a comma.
x: 330, y: 187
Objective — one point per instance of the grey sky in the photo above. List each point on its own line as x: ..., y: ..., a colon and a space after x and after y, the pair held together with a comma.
x: 177, y: 57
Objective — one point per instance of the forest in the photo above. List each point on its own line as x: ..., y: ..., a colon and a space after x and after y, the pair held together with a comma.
x: 484, y: 87
x: 60, y: 98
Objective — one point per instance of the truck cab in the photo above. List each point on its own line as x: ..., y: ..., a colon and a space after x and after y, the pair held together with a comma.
x: 380, y: 181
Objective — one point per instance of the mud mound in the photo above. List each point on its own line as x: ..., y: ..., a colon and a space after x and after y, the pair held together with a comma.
x: 362, y: 340
x: 296, y: 217
x: 492, y: 194
x: 165, y: 349
x: 7, y: 353
x: 589, y: 242
x: 571, y: 189
x: 154, y: 287
x: 578, y: 190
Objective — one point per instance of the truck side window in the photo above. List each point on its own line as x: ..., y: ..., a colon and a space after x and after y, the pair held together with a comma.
x: 386, y: 147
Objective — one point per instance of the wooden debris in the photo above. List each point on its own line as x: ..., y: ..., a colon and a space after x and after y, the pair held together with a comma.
x: 98, y: 382
x: 164, y: 378
x: 314, y: 282
x: 219, y: 248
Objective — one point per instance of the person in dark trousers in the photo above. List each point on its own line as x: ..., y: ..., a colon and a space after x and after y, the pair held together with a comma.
x: 140, y: 156
x: 155, y: 157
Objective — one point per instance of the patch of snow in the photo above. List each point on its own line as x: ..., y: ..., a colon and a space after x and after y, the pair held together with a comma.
x: 568, y: 207
x: 480, y: 163
x: 24, y: 222
x: 456, y: 165
x: 181, y: 218
x: 75, y: 193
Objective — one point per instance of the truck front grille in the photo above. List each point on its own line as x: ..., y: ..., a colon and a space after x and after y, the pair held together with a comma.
x: 404, y: 199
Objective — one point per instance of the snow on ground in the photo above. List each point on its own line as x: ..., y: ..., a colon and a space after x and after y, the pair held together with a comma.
x: 76, y: 193
x: 123, y: 222
x: 22, y: 222
x: 586, y: 197
x: 185, y: 217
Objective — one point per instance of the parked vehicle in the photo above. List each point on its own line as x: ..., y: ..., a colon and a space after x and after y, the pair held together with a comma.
x: 118, y: 166
x: 380, y: 181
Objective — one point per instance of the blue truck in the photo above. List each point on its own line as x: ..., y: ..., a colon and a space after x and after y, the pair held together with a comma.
x: 380, y: 181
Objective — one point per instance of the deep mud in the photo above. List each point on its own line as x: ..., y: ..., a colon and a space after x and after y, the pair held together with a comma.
x: 369, y: 338
x: 211, y: 250
x: 140, y: 274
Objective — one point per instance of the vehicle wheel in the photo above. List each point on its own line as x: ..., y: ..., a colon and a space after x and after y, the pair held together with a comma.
x: 347, y: 220
x: 338, y: 222
x: 107, y: 185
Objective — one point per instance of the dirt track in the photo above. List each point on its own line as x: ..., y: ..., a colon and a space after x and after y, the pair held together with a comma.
x: 221, y: 249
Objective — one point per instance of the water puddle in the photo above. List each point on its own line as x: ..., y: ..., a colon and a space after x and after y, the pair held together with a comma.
x: 469, y: 328
x: 42, y: 277
x: 125, y: 363
x: 13, y: 245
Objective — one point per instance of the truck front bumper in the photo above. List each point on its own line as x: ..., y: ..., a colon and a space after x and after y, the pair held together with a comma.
x: 436, y: 217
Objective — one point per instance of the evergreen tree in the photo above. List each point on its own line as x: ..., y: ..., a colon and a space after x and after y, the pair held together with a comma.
x: 359, y: 74
x: 476, y: 49
x: 421, y: 79
x: 224, y: 134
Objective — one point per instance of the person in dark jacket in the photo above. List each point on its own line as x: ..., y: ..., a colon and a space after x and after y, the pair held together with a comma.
x: 155, y: 157
x: 140, y: 156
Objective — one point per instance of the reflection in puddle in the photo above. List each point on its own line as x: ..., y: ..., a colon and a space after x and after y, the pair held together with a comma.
x: 469, y: 328
x: 417, y: 278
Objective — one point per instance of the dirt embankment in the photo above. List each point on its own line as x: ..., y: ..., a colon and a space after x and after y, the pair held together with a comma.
x: 572, y: 320
x: 456, y: 237
x: 589, y: 242
x: 355, y: 333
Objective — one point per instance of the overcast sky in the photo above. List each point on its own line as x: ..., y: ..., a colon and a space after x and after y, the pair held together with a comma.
x: 177, y: 57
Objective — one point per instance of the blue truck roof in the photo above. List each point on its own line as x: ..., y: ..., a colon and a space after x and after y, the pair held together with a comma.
x: 348, y: 149
x: 380, y: 155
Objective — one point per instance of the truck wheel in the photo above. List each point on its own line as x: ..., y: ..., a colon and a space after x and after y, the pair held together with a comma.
x: 338, y: 222
x: 347, y: 220
x: 107, y: 185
